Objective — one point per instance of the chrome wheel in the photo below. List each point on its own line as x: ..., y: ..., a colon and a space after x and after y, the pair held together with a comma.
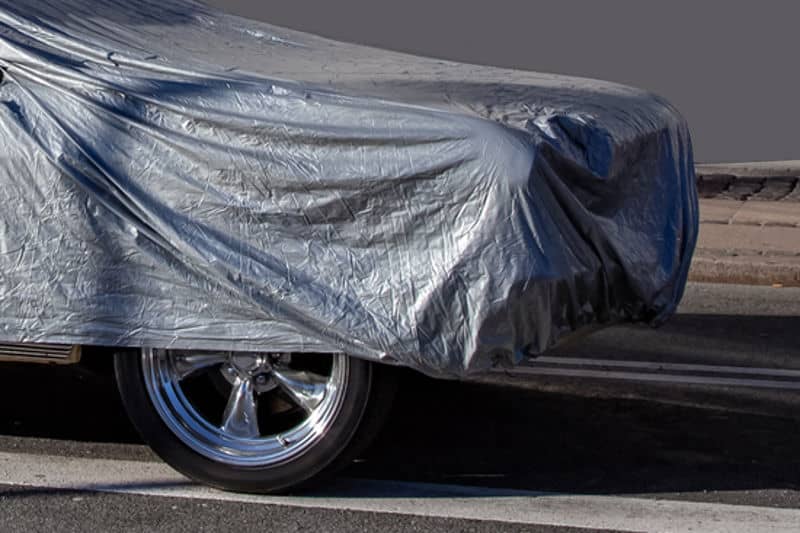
x: 246, y: 409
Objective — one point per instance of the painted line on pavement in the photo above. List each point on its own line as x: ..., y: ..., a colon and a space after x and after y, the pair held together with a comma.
x: 420, y: 499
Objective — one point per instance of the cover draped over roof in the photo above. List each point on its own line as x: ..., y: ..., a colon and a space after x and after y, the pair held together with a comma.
x: 172, y: 176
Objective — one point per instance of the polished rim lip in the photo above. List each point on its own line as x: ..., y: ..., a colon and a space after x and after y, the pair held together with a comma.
x: 191, y: 428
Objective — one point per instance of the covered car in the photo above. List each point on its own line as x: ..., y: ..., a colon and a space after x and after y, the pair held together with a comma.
x: 218, y: 193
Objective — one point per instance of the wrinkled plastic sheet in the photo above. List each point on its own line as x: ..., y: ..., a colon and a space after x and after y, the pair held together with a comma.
x: 175, y: 177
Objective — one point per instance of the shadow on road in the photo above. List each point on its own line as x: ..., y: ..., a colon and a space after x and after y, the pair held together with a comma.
x: 494, y: 436
x: 712, y: 339
x: 575, y: 436
x: 61, y: 403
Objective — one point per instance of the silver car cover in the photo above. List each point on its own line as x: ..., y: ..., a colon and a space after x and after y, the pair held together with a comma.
x: 172, y: 176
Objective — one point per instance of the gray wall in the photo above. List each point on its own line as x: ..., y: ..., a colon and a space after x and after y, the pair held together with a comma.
x: 731, y: 67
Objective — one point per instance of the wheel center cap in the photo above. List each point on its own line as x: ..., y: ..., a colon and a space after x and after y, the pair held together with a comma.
x: 249, y: 364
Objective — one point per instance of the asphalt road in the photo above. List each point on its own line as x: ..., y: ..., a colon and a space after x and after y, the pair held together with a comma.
x: 512, y: 452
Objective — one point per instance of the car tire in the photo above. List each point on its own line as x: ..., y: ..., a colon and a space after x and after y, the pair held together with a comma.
x: 288, y: 419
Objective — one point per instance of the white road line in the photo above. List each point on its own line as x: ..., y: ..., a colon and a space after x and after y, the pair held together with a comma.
x: 447, y: 501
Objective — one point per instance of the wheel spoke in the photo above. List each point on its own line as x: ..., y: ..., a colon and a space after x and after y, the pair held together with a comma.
x: 184, y: 365
x: 305, y: 388
x: 240, y: 418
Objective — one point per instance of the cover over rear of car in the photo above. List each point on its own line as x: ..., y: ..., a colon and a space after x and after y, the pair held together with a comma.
x: 172, y: 176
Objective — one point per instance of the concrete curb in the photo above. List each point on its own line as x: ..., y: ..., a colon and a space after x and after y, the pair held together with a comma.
x: 762, y: 169
x: 745, y: 270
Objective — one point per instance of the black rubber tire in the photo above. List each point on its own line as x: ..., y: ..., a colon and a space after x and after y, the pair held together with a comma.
x: 328, y: 455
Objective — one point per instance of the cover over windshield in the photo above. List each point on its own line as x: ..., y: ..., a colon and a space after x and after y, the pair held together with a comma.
x: 172, y: 176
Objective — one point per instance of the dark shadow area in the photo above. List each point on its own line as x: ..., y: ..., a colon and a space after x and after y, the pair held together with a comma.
x: 766, y: 330
x: 494, y: 436
x: 715, y: 339
x: 595, y: 437
x: 61, y: 403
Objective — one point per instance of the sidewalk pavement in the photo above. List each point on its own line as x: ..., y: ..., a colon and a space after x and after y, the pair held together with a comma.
x: 749, y: 224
